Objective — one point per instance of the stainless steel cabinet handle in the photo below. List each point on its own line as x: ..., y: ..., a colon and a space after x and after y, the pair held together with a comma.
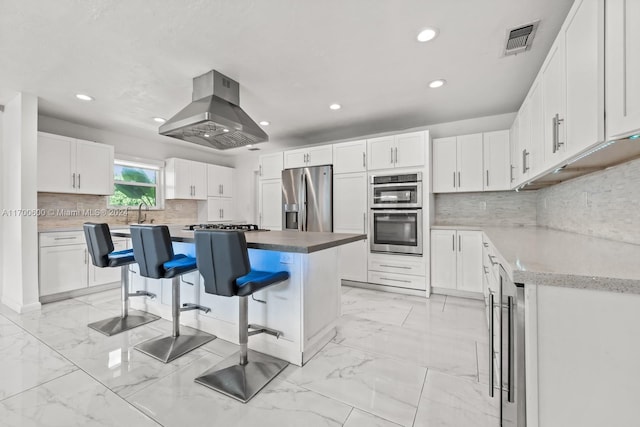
x: 510, y: 349
x: 396, y: 154
x: 491, y: 373
x: 74, y: 181
x: 260, y: 170
x: 525, y: 166
x: 511, y: 179
x: 395, y: 266
x: 554, y: 133
x: 486, y: 269
x: 453, y: 242
x: 364, y: 160
x: 559, y: 121
x: 459, y: 243
x: 491, y: 257
x: 526, y: 157
x: 487, y: 177
x: 309, y: 158
x: 78, y: 180
x: 459, y: 182
x: 485, y: 244
x: 64, y: 238
x: 454, y: 179
x: 364, y: 222
x: 396, y: 280
x: 391, y: 155
x: 220, y: 213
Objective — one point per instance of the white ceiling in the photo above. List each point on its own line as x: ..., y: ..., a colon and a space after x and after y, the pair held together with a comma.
x: 292, y: 59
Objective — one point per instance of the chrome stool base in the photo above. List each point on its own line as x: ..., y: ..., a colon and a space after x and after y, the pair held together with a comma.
x: 115, y: 325
x: 242, y: 382
x: 167, y: 349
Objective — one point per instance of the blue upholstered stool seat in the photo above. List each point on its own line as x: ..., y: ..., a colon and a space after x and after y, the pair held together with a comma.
x: 178, y: 265
x: 256, y: 280
x: 120, y: 258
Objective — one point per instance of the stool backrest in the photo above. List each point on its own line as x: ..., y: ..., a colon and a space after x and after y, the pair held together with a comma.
x: 222, y: 257
x: 99, y: 242
x: 151, y: 249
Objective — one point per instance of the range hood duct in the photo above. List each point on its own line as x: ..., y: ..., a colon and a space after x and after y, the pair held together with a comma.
x: 214, y: 118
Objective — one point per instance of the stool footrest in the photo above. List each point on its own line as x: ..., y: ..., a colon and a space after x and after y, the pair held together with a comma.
x: 259, y: 329
x: 188, y: 307
x: 142, y: 294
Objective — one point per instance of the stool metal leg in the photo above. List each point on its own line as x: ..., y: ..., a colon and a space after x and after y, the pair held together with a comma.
x: 166, y: 349
x: 245, y: 373
x: 126, y: 321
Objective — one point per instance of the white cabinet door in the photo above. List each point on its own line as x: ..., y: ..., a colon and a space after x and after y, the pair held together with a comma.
x: 353, y: 261
x: 227, y: 182
x: 444, y: 165
x: 271, y: 165
x: 536, y: 140
x: 62, y: 268
x: 214, y: 209
x: 469, y: 160
x: 94, y: 168
x: 178, y: 183
x: 199, y: 180
x: 380, y: 151
x: 295, y: 158
x: 56, y: 163
x: 469, y: 261
x: 219, y: 181
x: 271, y: 204
x: 410, y: 149
x: 553, y: 98
x: 228, y: 210
x: 350, y: 203
x: 350, y: 157
x: 318, y: 156
x: 102, y: 276
x: 443, y: 259
x: 584, y: 53
x: 524, y: 139
x: 496, y: 160
x: 622, y: 67
x: 514, y: 145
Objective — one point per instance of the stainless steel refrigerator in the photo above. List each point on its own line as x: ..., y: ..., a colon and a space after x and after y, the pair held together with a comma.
x: 307, y: 199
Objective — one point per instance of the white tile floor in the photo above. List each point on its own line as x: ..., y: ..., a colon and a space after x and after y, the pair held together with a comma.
x: 396, y: 360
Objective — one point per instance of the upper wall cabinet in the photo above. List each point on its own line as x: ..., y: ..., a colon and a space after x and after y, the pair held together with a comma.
x: 68, y: 165
x: 311, y: 156
x: 553, y: 96
x: 219, y: 181
x: 457, y: 164
x: 350, y: 157
x: 271, y: 166
x: 496, y: 161
x: 185, y: 179
x: 397, y: 151
x: 623, y: 67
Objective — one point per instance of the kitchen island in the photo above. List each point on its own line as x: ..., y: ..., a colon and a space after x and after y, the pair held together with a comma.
x: 305, y: 308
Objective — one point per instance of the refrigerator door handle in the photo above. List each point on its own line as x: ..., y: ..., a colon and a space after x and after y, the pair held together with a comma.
x: 511, y: 350
x: 303, y: 205
x: 491, y: 373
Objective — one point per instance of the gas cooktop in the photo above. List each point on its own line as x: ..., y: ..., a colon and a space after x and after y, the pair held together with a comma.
x: 241, y: 227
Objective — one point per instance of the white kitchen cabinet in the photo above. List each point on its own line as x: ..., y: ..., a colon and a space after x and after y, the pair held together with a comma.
x: 622, y: 52
x: 524, y: 140
x: 535, y: 149
x: 220, y: 209
x: 271, y: 165
x: 350, y: 216
x: 496, y: 160
x: 397, y: 151
x: 349, y: 157
x: 185, y: 179
x: 554, y: 99
x: 63, y: 268
x: 457, y: 164
x: 68, y: 165
x: 271, y: 204
x: 514, y: 145
x: 401, y: 271
x: 219, y: 181
x: 310, y: 156
x: 456, y: 260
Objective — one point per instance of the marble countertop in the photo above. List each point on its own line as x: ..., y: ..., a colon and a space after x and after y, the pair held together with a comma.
x: 543, y: 256
x: 282, y: 241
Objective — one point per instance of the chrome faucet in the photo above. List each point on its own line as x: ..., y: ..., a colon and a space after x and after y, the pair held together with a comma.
x: 141, y: 220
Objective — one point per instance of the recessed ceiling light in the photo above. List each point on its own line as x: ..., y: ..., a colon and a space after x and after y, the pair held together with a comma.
x: 225, y: 130
x: 249, y: 145
x: 427, y: 34
x: 206, y: 135
x: 335, y: 106
x: 159, y: 120
x: 437, y: 83
x: 83, y: 97
x: 265, y: 123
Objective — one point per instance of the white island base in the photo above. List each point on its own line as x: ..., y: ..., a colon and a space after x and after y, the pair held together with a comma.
x: 305, y: 308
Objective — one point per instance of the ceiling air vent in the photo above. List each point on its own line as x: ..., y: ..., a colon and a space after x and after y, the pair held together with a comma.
x: 519, y: 39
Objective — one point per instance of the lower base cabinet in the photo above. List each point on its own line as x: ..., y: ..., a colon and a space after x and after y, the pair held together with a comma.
x: 353, y: 261
x: 456, y: 260
x: 402, y: 271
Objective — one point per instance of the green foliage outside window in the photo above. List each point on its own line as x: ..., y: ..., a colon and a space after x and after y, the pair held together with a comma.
x: 134, y: 185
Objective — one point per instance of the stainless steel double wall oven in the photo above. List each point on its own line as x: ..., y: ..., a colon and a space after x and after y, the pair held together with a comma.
x: 395, y: 202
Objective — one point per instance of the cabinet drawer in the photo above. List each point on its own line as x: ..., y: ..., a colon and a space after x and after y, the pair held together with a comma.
x: 61, y: 238
x: 397, y: 280
x: 398, y: 264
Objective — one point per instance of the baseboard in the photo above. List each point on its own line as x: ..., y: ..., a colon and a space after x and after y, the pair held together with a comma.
x: 21, y: 308
x: 78, y: 292
x: 385, y: 288
x: 457, y: 293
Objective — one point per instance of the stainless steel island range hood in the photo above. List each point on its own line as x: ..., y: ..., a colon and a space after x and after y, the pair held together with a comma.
x: 214, y: 118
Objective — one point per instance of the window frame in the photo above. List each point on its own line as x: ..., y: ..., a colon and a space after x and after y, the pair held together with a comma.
x: 139, y: 163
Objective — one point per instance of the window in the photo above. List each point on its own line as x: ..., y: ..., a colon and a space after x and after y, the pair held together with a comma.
x: 135, y: 184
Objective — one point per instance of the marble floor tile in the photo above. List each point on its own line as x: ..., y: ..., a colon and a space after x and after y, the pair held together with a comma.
x: 72, y: 400
x: 449, y: 401
x: 26, y: 362
x: 221, y: 347
x: 482, y: 353
x: 445, y: 353
x: 358, y: 418
x: 379, y: 385
x: 99, y: 297
x: 177, y: 400
x: 7, y: 327
x: 373, y: 306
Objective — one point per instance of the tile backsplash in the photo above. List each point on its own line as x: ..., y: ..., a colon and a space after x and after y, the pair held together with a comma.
x: 72, y: 210
x: 487, y: 208
x: 603, y: 204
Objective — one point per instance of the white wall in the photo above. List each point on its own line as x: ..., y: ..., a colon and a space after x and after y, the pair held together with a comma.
x: 1, y: 201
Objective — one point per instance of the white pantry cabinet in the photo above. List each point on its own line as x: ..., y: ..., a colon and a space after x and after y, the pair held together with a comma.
x: 271, y: 165
x: 219, y: 181
x: 350, y: 216
x: 185, y: 179
x: 397, y: 151
x: 350, y: 157
x: 270, y: 197
x: 456, y: 260
x: 496, y: 160
x: 68, y: 165
x: 622, y: 68
x: 310, y: 156
x: 457, y: 164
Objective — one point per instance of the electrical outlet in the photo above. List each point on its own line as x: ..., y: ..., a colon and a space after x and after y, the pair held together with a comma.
x: 483, y: 206
x: 587, y: 199
x: 544, y: 203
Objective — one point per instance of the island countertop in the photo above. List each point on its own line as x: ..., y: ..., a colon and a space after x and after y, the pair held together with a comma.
x: 281, y: 241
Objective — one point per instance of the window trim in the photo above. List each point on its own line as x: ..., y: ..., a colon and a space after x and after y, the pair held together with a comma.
x: 144, y: 164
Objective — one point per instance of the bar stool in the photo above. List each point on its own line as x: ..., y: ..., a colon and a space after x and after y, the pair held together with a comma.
x: 223, y: 261
x: 154, y: 254
x: 100, y: 246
